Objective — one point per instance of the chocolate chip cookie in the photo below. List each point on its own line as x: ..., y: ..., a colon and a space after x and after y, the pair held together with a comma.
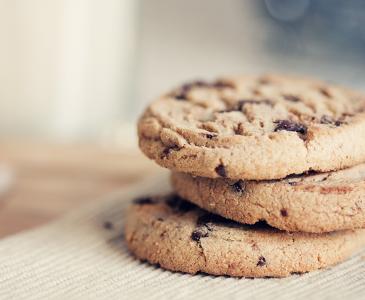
x: 311, y: 202
x: 263, y: 127
x: 181, y: 237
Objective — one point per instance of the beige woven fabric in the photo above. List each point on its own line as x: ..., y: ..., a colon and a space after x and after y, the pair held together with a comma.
x: 77, y: 258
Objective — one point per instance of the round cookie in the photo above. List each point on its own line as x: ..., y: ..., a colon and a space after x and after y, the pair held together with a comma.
x: 181, y: 237
x: 255, y: 128
x: 321, y: 202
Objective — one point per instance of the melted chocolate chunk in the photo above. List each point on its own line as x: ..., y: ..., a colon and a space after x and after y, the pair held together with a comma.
x: 291, y: 98
x: 261, y: 262
x: 284, y: 213
x: 178, y: 204
x: 238, y: 186
x: 288, y: 125
x: 221, y: 170
x: 144, y: 200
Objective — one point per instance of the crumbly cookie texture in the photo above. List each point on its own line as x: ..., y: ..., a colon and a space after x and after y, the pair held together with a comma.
x: 256, y: 128
x: 181, y: 237
x: 318, y: 203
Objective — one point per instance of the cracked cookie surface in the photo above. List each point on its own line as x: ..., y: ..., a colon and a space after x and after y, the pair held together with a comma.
x: 248, y: 127
x: 179, y: 236
x: 312, y: 202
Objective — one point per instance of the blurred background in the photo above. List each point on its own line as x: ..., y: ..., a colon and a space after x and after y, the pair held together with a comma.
x: 75, y: 75
x: 84, y: 69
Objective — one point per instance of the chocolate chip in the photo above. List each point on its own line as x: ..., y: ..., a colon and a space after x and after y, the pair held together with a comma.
x: 210, y: 135
x: 325, y: 92
x: 288, y: 125
x: 198, y: 233
x: 182, y: 93
x: 291, y: 98
x: 165, y: 153
x: 239, y: 129
x: 144, y: 200
x: 238, y: 186
x: 108, y: 225
x: 223, y: 84
x: 205, y: 224
x: 178, y: 204
x: 261, y: 262
x: 180, y: 96
x: 243, y: 102
x: 325, y: 119
x: 221, y: 170
x: 197, y: 83
x: 284, y: 212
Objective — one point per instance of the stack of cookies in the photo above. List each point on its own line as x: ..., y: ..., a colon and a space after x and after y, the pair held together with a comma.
x: 268, y: 173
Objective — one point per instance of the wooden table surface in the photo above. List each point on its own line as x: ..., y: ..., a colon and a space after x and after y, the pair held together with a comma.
x: 50, y: 179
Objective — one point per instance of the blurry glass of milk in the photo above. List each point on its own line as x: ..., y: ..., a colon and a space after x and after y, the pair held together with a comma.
x: 66, y: 67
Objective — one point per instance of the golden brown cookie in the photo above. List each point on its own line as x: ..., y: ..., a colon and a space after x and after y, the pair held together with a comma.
x: 310, y: 203
x: 181, y: 237
x: 248, y: 127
